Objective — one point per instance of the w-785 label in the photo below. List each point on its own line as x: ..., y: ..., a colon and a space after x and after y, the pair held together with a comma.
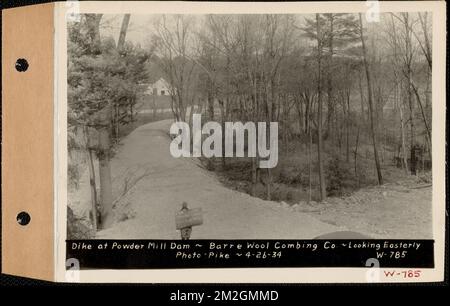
x: 392, y: 254
x: 402, y: 273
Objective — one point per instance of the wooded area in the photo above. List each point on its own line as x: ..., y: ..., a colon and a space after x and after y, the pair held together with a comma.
x: 352, y: 99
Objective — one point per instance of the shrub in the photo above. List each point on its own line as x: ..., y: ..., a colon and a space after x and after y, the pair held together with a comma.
x: 76, y: 228
x: 338, y: 176
x: 293, y: 175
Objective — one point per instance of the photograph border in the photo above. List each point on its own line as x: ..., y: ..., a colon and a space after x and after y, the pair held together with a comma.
x: 248, y: 275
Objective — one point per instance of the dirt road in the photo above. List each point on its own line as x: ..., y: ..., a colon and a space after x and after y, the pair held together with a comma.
x: 150, y: 185
x: 161, y: 182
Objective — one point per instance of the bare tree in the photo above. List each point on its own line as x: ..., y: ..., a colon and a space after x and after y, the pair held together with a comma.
x: 370, y: 102
x: 323, y: 190
x: 392, y: 33
x: 172, y: 42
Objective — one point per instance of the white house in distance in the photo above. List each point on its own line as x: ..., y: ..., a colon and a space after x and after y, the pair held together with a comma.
x: 157, y: 96
x: 159, y: 88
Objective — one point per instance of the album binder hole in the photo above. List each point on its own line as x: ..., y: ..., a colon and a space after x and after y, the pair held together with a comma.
x: 23, y: 218
x: 21, y: 65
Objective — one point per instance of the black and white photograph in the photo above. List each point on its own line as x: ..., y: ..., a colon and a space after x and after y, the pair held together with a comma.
x: 216, y: 126
x: 352, y: 100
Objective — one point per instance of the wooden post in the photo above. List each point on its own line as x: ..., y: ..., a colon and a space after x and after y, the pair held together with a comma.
x: 104, y: 142
x: 91, y: 180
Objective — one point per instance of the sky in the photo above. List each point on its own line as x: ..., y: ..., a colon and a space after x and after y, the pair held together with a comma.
x: 141, y: 27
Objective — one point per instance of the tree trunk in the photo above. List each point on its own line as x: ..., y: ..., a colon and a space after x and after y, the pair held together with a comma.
x: 356, y: 152
x: 425, y: 121
x: 331, y: 128
x: 309, y: 164
x: 104, y: 152
x: 408, y: 56
x: 105, y: 168
x: 427, y: 50
x: 370, y: 97
x: 222, y: 123
x: 307, y: 111
x: 402, y: 127
x: 117, y: 125
x: 285, y: 115
x: 254, y: 178
x: 419, y: 102
x: 428, y: 96
x: 123, y: 31
x: 271, y: 102
x: 347, y: 130
x: 94, y: 213
x: 255, y: 119
x: 412, y: 131
x: 104, y: 132
x: 323, y: 190
x: 363, y: 111
x: 210, y: 106
x: 424, y: 22
x: 210, y: 99
x: 398, y: 100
